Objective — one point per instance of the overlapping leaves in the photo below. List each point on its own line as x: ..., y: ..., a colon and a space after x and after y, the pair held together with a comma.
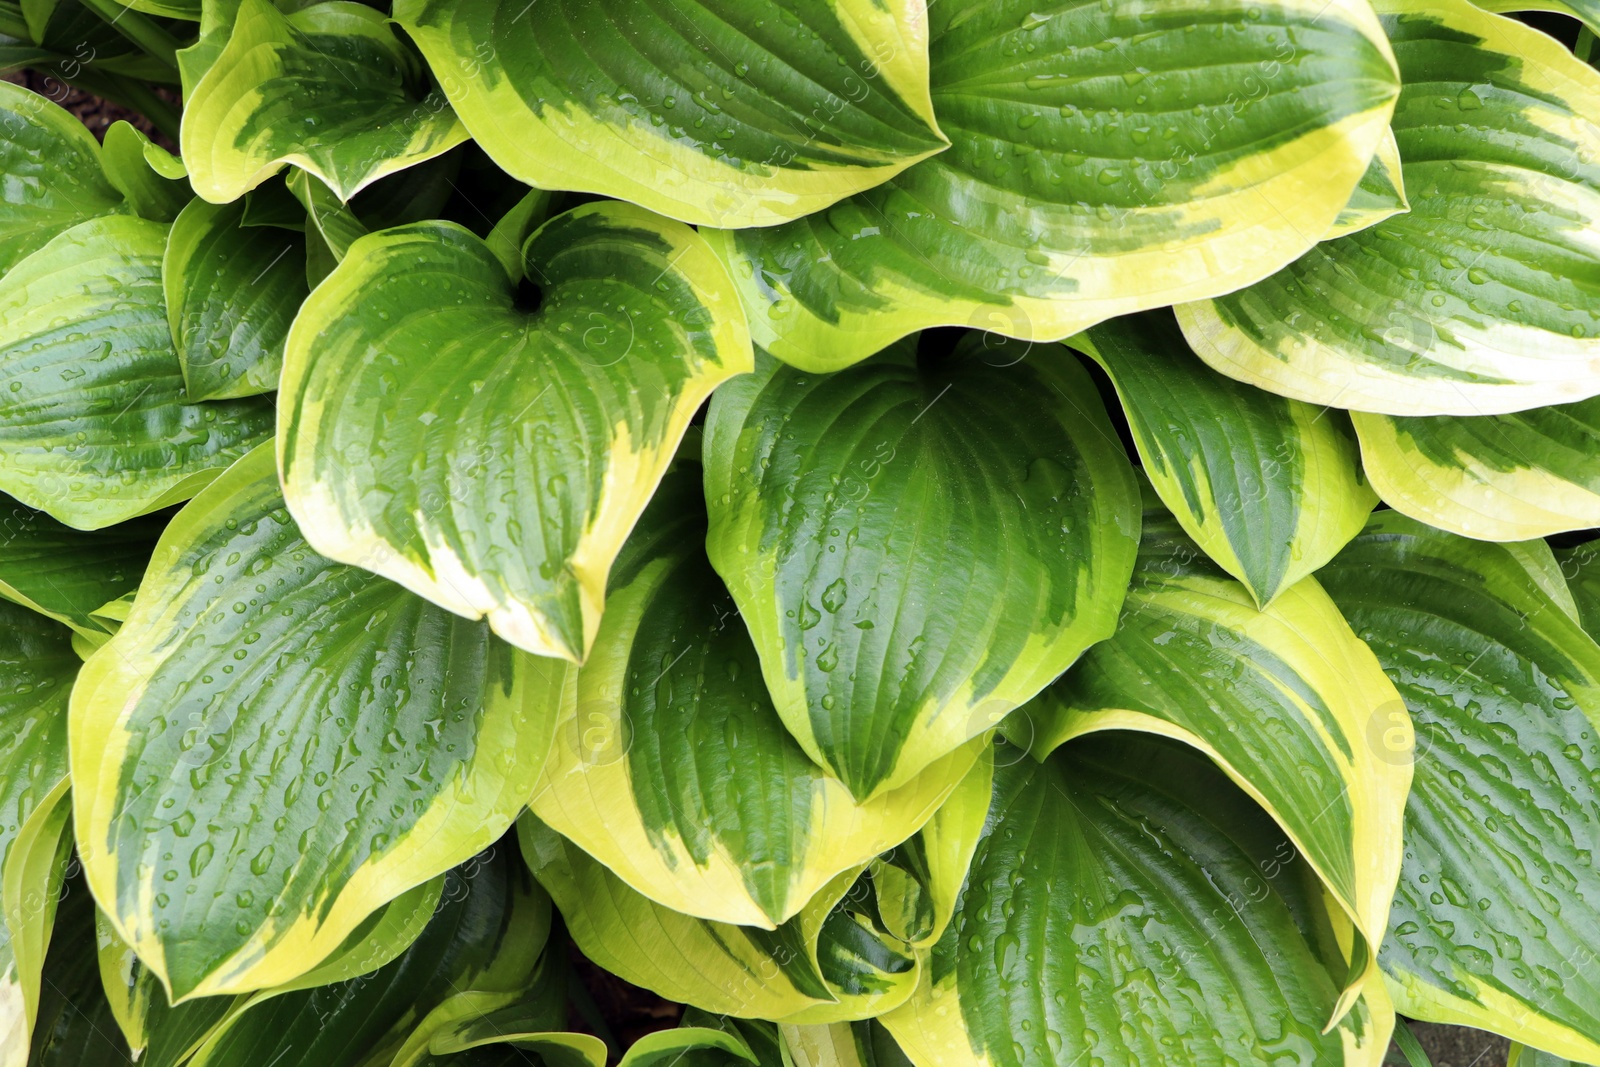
x: 752, y: 706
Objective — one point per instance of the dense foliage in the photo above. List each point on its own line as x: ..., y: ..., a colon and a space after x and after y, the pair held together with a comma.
x: 988, y: 533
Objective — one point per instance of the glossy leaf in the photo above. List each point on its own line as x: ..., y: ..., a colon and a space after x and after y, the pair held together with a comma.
x: 1104, y: 159
x: 1479, y: 300
x: 488, y: 456
x: 1270, y: 488
x: 721, y: 1043
x: 917, y: 882
x: 672, y: 767
x: 1523, y: 1056
x: 1286, y: 700
x: 1494, y: 477
x: 861, y: 1044
x: 1380, y: 194
x: 360, y: 98
x: 95, y: 427
x: 37, y: 667
x: 827, y: 964
x: 462, y: 1033
x: 1586, y: 10
x: 917, y: 545
x: 484, y: 939
x: 1495, y: 922
x: 53, y: 175
x: 1128, y: 903
x: 299, y: 740
x: 232, y: 292
x: 66, y: 574
x: 155, y: 185
x: 163, y: 1035
x: 729, y: 113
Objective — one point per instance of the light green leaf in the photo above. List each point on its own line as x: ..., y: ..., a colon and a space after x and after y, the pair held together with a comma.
x: 692, y: 1046
x: 1587, y: 11
x: 508, y: 236
x: 37, y: 667
x: 67, y: 574
x: 483, y: 940
x: 1523, y: 1056
x: 729, y: 113
x: 861, y: 1044
x: 491, y: 456
x: 95, y: 427
x: 672, y: 767
x: 165, y: 1036
x: 1495, y: 924
x: 1480, y: 300
x: 1286, y: 700
x: 461, y: 1033
x: 918, y: 881
x: 232, y: 291
x: 1270, y: 488
x: 299, y: 739
x: 1128, y: 903
x: 360, y: 101
x: 1494, y: 477
x: 332, y: 219
x: 189, y: 10
x: 1104, y: 159
x: 1379, y: 195
x: 918, y: 545
x: 827, y: 964
x: 155, y: 185
x: 53, y: 176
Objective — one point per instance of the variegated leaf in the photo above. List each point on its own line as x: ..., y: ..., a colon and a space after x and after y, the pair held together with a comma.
x: 1480, y: 299
x: 298, y: 740
x: 1104, y: 159
x: 489, y: 455
x: 730, y: 113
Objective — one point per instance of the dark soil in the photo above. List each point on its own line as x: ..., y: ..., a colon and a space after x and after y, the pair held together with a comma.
x: 1458, y: 1046
x: 92, y: 111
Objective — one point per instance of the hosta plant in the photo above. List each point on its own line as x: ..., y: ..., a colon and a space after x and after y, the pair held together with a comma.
x: 961, y: 534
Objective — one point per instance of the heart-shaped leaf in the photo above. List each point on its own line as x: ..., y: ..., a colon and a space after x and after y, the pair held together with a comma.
x: 917, y: 546
x: 1497, y: 918
x: 95, y: 426
x: 1104, y: 159
x: 1128, y: 903
x: 732, y: 113
x: 1481, y: 299
x: 1285, y: 700
x: 490, y: 456
x: 359, y: 97
x: 672, y: 767
x: 297, y: 739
